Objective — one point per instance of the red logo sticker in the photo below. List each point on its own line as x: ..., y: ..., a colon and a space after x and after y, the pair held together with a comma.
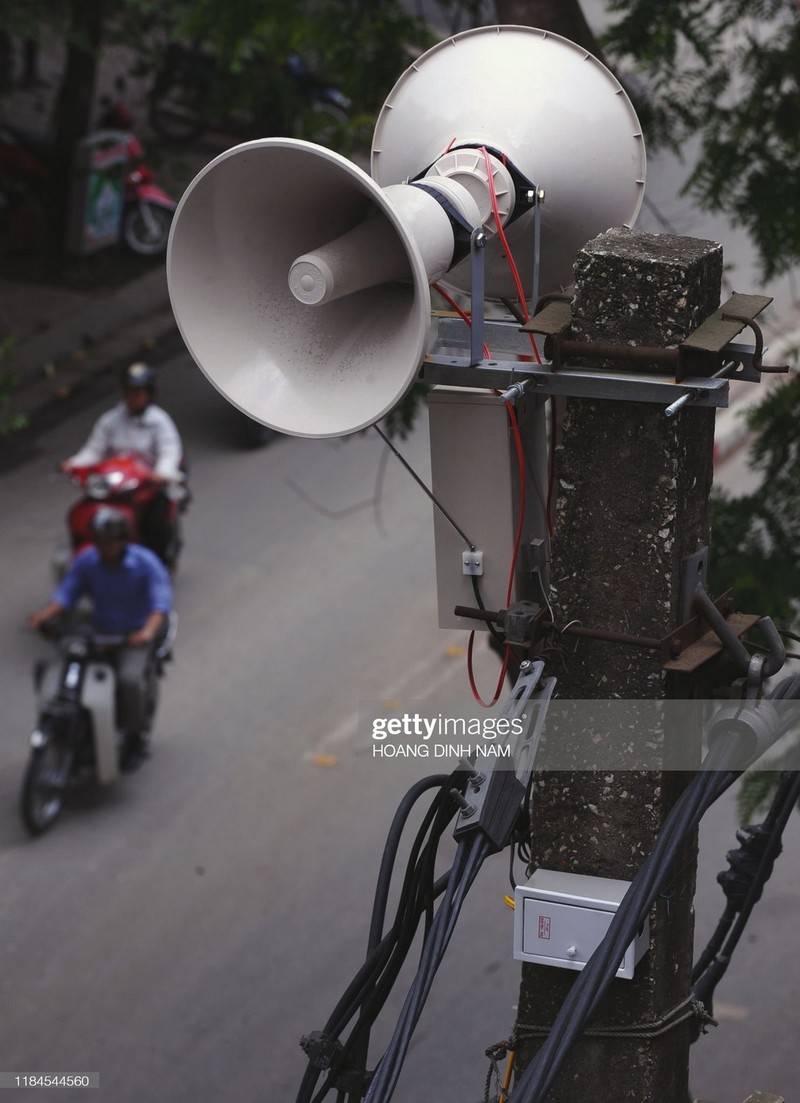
x: 544, y: 926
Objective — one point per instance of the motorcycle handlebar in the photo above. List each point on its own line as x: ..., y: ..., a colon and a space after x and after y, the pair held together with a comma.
x: 107, y: 641
x: 80, y: 473
x: 61, y: 634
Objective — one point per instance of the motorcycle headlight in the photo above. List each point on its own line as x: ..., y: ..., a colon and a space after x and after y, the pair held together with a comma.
x: 97, y: 487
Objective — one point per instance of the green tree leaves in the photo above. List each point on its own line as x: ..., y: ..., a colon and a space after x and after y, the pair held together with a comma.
x: 728, y: 72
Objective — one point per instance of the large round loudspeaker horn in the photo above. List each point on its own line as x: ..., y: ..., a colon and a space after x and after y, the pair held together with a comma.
x: 300, y: 284
x: 298, y: 287
x: 551, y: 109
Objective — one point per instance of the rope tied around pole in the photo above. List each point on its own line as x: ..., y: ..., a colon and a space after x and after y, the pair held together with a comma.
x: 690, y: 1008
x: 496, y: 1054
x: 687, y: 1009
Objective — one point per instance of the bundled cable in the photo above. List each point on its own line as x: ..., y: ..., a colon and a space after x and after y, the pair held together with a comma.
x: 343, y: 1063
x: 488, y: 822
x: 738, y: 736
x: 750, y: 867
x: 471, y: 854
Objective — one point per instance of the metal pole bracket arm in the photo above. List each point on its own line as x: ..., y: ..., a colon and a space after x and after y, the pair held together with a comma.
x: 696, y: 642
x: 717, y: 627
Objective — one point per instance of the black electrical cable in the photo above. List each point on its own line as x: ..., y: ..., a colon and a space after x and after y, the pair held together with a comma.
x: 390, y: 851
x: 787, y: 798
x: 586, y: 994
x: 472, y: 852
x: 737, y: 886
x: 716, y: 958
x: 389, y: 1065
x: 715, y: 942
x: 372, y: 1000
x: 591, y: 985
x: 355, y: 1053
x: 366, y: 995
x: 362, y: 992
x: 358, y: 1043
x: 498, y: 639
x: 412, y: 903
x: 368, y: 990
x: 519, y: 846
x: 368, y: 1000
x: 389, y: 1069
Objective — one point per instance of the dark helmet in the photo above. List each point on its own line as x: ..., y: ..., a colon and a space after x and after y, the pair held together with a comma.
x: 139, y: 375
x: 110, y: 522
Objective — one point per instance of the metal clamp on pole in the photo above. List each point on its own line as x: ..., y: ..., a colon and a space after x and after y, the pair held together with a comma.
x: 494, y: 800
x: 776, y: 655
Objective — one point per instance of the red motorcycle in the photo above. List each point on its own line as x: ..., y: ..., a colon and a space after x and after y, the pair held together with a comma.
x: 27, y: 179
x: 127, y: 483
x: 147, y: 211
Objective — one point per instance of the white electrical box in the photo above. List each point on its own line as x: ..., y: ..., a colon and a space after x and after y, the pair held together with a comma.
x: 561, y: 918
x: 475, y: 476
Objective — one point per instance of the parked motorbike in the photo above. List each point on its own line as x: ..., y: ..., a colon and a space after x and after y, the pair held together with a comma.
x: 125, y: 482
x: 191, y: 94
x: 78, y: 738
x: 27, y: 177
x: 147, y: 209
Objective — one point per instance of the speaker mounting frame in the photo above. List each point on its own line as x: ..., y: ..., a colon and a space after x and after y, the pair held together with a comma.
x: 568, y: 379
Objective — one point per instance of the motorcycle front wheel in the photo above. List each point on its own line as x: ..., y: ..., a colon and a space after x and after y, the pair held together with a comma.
x: 145, y: 229
x: 44, y: 786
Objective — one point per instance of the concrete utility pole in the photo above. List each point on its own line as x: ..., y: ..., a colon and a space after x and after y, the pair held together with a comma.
x: 632, y: 501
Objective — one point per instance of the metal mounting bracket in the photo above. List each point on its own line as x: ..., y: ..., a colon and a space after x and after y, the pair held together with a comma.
x: 714, y: 628
x: 477, y: 245
x: 544, y: 381
x: 694, y: 572
x: 493, y: 801
x: 696, y: 372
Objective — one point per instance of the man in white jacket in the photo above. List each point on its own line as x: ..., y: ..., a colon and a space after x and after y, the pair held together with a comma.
x: 137, y: 425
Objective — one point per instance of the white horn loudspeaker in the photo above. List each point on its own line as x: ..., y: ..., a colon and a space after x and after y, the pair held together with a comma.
x: 300, y: 284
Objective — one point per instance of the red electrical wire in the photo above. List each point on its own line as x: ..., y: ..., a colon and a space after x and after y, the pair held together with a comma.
x: 471, y: 675
x: 515, y: 430
x: 524, y: 308
x: 507, y: 249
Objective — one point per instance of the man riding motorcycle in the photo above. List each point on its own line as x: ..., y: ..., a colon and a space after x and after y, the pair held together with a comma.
x: 132, y: 596
x: 137, y: 425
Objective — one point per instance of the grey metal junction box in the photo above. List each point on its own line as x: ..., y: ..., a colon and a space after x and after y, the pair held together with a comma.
x: 561, y: 918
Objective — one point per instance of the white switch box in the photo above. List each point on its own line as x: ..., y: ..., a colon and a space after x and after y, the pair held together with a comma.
x: 561, y: 918
x: 474, y: 472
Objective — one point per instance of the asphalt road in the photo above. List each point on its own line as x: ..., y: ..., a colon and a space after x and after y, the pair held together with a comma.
x: 179, y: 932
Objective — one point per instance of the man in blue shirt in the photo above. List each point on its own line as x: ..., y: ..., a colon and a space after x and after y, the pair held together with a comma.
x: 131, y: 596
